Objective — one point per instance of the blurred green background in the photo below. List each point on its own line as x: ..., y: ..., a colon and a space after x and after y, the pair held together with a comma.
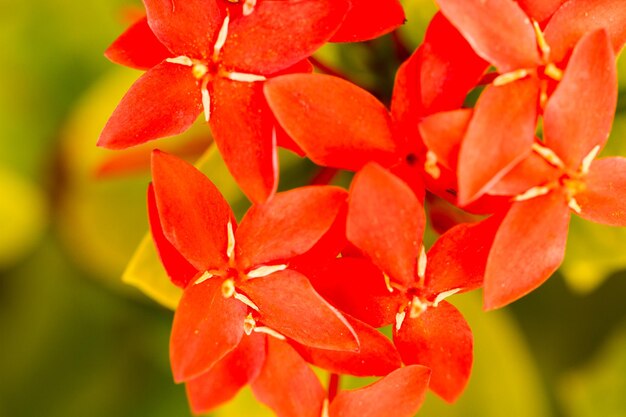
x: 76, y: 341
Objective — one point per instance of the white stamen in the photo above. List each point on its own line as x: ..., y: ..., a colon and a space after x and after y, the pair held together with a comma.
x: 206, y: 275
x: 443, y: 295
x: 244, y: 77
x: 271, y: 332
x: 586, y: 164
x: 221, y: 38
x: 400, y: 319
x: 265, y: 270
x: 532, y: 193
x: 206, y: 99
x: 246, y: 301
x: 549, y: 155
x: 248, y: 7
x: 230, y: 250
x: 422, y: 262
x: 181, y: 60
x: 325, y: 408
x: 573, y: 204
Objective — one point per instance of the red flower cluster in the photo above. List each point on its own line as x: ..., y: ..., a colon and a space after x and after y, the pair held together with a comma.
x: 309, y: 274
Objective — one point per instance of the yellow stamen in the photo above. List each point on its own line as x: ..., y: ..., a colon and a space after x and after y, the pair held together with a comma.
x: 249, y: 324
x: 554, y: 72
x: 387, y: 282
x: 422, y: 262
x: 228, y: 288
x: 541, y: 42
x: 509, y: 77
x: 573, y: 204
x: 430, y: 166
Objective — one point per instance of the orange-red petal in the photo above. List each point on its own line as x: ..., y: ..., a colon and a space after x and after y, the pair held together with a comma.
x: 497, y: 140
x: 401, y: 394
x: 137, y: 47
x: 288, y: 225
x: 165, y: 101
x: 386, y: 221
x: 242, y: 127
x: 490, y: 26
x: 180, y: 271
x: 286, y: 384
x: 440, y: 339
x: 336, y: 123
x: 193, y: 213
x: 604, y: 198
x: 288, y: 304
x: 222, y: 382
x: 589, y: 82
x: 529, y: 246
x: 207, y: 326
x: 369, y: 19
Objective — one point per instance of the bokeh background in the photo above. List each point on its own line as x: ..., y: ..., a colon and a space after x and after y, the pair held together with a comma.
x: 76, y: 341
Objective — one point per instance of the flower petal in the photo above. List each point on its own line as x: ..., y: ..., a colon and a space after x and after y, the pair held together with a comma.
x: 540, y: 10
x: 377, y: 355
x: 242, y: 127
x: 604, y: 199
x: 193, y: 213
x: 336, y: 123
x: 401, y: 394
x: 449, y: 69
x: 386, y: 221
x: 495, y: 140
x: 165, y: 101
x: 529, y: 246
x: 492, y: 41
x: 288, y: 304
x: 369, y: 19
x: 458, y: 258
x: 578, y: 17
x: 180, y: 271
x: 187, y: 27
x: 137, y: 47
x: 589, y: 82
x: 356, y: 286
x: 443, y: 133
x: 280, y: 33
x: 222, y: 382
x: 206, y: 327
x: 440, y: 339
x: 288, y: 225
x: 532, y: 171
x: 287, y: 384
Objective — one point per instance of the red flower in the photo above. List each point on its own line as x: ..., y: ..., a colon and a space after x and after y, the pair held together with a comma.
x: 530, y: 64
x: 214, y: 56
x: 243, y: 283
